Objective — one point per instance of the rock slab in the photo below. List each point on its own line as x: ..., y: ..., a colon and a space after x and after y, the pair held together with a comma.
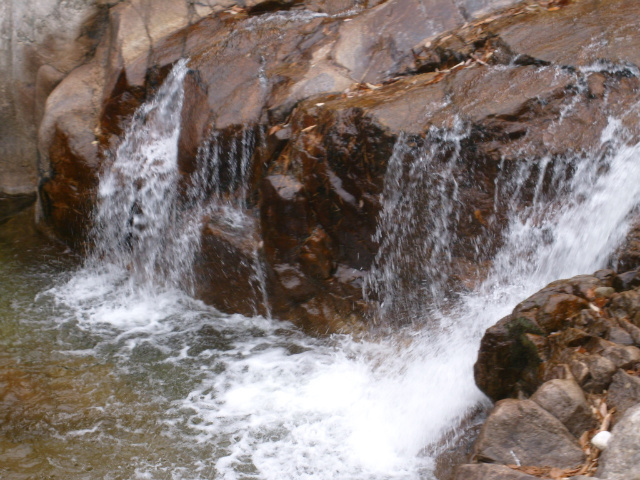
x: 522, y: 432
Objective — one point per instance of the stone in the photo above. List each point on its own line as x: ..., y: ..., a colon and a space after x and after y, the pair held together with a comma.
x: 316, y: 184
x: 558, y: 310
x: 506, y: 357
x: 593, y: 372
x: 626, y: 305
x: 621, y: 459
x: 40, y: 42
x: 622, y: 356
x: 557, y: 326
x: 11, y: 205
x: 624, y: 392
x: 560, y: 38
x: 520, y: 431
x: 229, y: 256
x: 371, y: 47
x: 69, y: 159
x: 601, y: 440
x: 485, y: 471
x: 566, y: 401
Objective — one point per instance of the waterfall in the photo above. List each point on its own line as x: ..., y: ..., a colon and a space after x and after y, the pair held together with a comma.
x: 415, y: 226
x: 219, y: 190
x: 136, y: 224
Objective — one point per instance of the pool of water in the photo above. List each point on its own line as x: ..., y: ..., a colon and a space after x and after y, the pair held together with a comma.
x: 101, y: 380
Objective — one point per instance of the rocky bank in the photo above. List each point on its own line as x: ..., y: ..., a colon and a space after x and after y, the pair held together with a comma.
x: 562, y: 367
x: 327, y: 89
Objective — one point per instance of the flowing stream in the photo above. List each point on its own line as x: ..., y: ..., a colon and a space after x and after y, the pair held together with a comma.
x: 112, y: 370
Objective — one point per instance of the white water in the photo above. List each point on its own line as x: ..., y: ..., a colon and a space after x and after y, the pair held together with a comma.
x: 265, y: 401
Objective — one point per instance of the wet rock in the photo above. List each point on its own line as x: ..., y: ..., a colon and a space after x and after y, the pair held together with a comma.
x: 69, y: 159
x: 520, y: 431
x: 627, y: 280
x: 484, y: 471
x: 624, y: 392
x: 11, y: 205
x: 621, y: 459
x: 507, y: 358
x: 226, y: 273
x: 40, y: 42
x: 626, y: 305
x: 566, y: 401
x: 621, y: 356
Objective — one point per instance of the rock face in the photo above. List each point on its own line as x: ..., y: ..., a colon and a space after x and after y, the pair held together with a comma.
x: 521, y: 432
x: 566, y: 401
x: 40, y: 43
x: 622, y: 457
x: 484, y: 471
x: 566, y: 328
x: 333, y: 92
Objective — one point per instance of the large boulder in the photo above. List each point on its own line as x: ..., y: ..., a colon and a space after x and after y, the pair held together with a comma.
x: 520, y: 432
x: 40, y: 43
x: 566, y: 401
x: 568, y: 329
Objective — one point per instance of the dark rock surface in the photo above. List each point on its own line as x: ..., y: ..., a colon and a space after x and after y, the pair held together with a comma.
x: 11, y: 205
x: 564, y: 326
x: 624, y: 392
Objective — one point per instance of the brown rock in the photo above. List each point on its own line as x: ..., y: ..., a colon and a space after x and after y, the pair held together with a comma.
x: 565, y: 400
x: 11, y: 205
x: 226, y: 270
x: 621, y: 458
x: 593, y: 372
x: 371, y: 46
x: 507, y: 360
x: 626, y: 305
x: 559, y: 310
x: 484, y: 471
x: 520, y: 431
x: 621, y: 356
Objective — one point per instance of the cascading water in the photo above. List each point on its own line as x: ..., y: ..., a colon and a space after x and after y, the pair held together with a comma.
x: 135, y: 222
x: 194, y: 394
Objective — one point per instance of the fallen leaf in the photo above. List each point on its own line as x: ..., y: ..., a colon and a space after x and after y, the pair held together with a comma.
x: 275, y: 128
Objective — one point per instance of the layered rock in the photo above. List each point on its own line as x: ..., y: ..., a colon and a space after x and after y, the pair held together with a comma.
x: 318, y: 171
